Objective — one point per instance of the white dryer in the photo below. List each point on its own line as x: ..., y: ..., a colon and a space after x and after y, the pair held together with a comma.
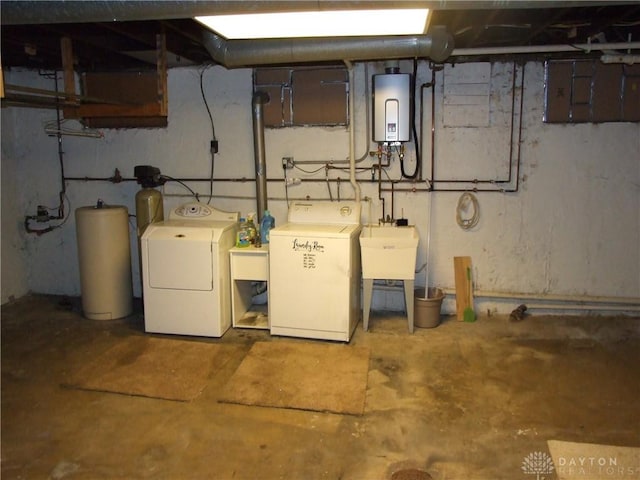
x: 185, y: 271
x: 314, y: 271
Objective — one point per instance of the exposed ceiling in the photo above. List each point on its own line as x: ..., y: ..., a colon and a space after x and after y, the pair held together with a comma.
x: 31, y: 30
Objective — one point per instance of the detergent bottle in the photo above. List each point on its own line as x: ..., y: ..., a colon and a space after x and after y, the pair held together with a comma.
x: 251, y: 228
x: 266, y: 224
x: 242, y: 237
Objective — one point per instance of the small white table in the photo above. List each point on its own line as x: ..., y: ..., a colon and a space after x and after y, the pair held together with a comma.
x: 248, y: 266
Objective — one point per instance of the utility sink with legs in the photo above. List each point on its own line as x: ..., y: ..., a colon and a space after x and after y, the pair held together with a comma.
x: 388, y: 253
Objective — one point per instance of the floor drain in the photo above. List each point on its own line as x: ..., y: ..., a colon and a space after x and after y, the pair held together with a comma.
x: 411, y: 474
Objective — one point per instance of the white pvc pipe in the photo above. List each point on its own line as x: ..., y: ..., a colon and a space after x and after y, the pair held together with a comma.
x: 568, y: 306
x: 603, y: 304
x: 352, y: 133
x: 621, y: 58
x: 633, y: 302
x: 580, y: 47
x: 428, y: 244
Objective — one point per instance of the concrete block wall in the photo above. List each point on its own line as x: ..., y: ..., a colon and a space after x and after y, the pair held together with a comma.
x: 572, y: 228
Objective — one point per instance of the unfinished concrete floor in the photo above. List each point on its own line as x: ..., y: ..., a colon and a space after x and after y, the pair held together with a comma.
x: 461, y: 401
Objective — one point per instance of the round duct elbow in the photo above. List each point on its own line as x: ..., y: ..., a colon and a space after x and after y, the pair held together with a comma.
x: 442, y: 43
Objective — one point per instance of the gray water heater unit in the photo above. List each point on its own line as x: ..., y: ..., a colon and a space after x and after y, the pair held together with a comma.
x: 391, y: 107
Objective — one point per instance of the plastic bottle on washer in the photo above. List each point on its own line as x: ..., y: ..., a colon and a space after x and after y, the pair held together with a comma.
x: 266, y: 224
x: 251, y: 228
x: 242, y: 237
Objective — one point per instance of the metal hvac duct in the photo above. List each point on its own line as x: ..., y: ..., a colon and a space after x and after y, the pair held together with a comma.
x: 259, y: 99
x: 436, y: 45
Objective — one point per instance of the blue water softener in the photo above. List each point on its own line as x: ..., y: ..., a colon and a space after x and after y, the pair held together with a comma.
x: 266, y: 224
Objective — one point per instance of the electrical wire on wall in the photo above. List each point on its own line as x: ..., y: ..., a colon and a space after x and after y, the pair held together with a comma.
x: 195, y: 194
x: 295, y: 181
x: 415, y: 173
x: 42, y: 215
x: 214, y: 141
x: 467, y: 211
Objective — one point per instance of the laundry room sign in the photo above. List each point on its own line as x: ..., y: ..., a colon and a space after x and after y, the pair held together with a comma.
x: 307, y: 246
x: 309, y: 249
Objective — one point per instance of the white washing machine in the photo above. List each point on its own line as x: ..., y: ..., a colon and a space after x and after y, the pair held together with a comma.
x: 314, y: 271
x: 185, y: 271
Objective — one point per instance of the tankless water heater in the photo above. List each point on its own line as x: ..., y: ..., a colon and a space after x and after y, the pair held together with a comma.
x: 391, y: 107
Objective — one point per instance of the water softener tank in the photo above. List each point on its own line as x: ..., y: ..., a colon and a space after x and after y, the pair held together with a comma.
x: 149, y: 208
x: 104, y: 257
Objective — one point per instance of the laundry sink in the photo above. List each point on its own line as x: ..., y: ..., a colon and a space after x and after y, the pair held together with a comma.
x: 388, y: 252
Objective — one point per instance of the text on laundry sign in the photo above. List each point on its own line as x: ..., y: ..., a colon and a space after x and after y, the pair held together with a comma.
x: 307, y: 246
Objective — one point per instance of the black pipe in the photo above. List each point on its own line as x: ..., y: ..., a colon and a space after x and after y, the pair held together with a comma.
x: 392, y: 200
x: 309, y: 180
x: 512, y: 126
x: 380, y: 182
x: 418, y: 168
x: 252, y: 179
x: 230, y: 180
x: 99, y: 179
x: 422, y: 87
x: 518, y: 157
x: 63, y: 189
x: 433, y: 124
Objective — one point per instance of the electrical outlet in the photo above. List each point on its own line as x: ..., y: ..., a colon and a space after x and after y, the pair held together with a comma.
x: 42, y: 214
x: 287, y: 162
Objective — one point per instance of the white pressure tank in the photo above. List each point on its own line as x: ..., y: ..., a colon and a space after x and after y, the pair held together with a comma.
x: 104, y: 257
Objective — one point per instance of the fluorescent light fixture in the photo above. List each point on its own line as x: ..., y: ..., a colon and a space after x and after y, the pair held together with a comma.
x: 334, y: 23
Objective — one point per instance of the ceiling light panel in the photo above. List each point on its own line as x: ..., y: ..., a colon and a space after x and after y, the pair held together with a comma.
x: 342, y: 23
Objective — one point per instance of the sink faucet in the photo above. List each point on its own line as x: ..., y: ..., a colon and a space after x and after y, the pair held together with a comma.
x: 386, y: 221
